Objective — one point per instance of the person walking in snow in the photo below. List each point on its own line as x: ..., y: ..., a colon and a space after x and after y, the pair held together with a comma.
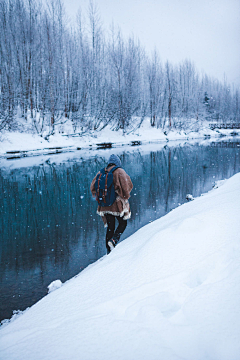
x: 111, y: 187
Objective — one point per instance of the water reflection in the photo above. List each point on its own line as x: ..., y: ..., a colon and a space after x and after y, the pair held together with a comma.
x: 48, y: 223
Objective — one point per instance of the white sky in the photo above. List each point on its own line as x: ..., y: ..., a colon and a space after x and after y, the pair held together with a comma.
x: 205, y: 31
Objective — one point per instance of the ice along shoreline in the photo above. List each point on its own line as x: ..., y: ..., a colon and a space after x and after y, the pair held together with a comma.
x: 20, y: 145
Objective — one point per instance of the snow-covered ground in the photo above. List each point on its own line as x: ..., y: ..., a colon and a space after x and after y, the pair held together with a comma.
x: 170, y: 291
x: 33, y: 144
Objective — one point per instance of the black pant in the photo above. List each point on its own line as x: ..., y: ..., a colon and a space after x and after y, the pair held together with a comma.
x: 111, y: 233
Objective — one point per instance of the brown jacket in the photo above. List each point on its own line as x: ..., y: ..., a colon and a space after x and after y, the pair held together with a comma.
x: 123, y: 186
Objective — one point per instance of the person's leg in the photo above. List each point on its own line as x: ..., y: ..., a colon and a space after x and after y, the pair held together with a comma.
x: 122, y: 224
x: 110, y: 229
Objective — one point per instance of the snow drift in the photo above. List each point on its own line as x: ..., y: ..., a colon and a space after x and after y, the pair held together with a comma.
x: 170, y: 291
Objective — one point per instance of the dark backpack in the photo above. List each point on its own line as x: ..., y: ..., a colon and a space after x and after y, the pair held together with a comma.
x: 105, y: 192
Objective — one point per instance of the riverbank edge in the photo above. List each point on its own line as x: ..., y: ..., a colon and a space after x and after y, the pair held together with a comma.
x: 19, y: 145
x: 22, y: 331
x: 19, y: 313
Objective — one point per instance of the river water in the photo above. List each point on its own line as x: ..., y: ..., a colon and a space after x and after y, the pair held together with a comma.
x: 49, y: 228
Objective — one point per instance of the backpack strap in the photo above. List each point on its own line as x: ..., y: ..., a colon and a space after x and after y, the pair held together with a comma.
x: 105, y: 190
x: 98, y: 186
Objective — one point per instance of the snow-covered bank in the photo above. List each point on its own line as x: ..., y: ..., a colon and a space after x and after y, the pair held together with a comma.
x: 16, y: 144
x: 170, y: 291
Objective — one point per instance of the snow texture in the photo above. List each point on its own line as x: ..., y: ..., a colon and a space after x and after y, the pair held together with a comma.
x: 170, y: 291
x: 189, y: 197
x: 54, y: 285
x: 26, y: 144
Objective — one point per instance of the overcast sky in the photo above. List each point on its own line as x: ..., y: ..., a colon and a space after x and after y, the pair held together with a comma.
x: 205, y: 31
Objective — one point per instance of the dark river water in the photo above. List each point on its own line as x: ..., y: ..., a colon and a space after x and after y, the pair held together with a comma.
x: 49, y: 228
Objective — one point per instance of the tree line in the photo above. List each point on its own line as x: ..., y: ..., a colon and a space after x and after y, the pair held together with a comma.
x: 52, y: 73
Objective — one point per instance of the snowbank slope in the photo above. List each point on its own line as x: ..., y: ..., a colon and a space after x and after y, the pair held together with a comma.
x: 170, y: 291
